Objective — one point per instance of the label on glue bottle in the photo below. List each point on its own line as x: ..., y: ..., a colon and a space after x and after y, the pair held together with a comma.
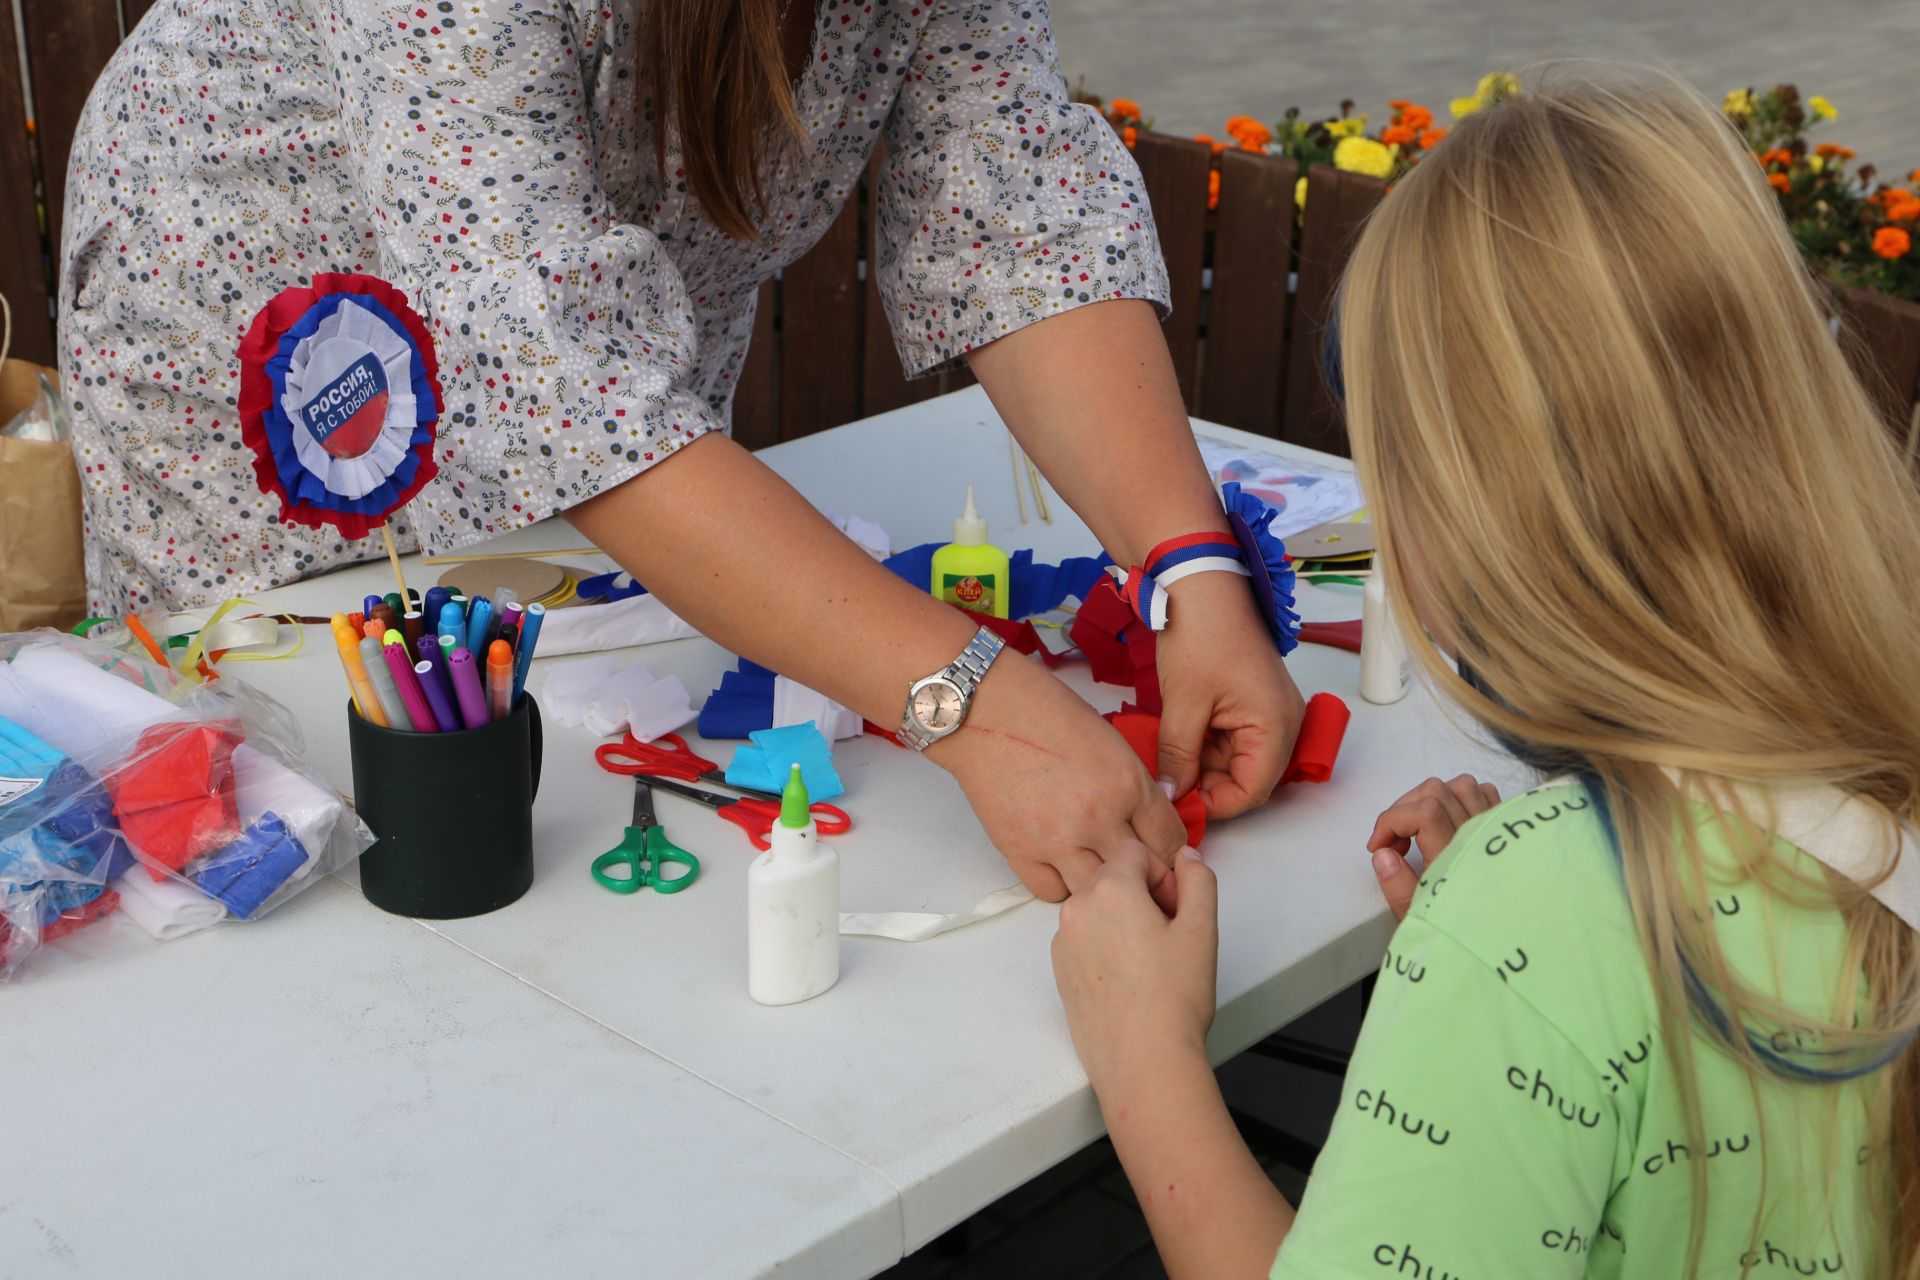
x: 1384, y: 671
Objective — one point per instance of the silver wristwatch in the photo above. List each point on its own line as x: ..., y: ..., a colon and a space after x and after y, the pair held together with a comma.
x: 937, y: 705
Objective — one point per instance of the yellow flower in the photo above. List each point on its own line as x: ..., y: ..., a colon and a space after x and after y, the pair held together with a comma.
x: 1816, y: 163
x: 1300, y: 194
x: 1739, y: 104
x: 1822, y: 109
x: 1363, y: 155
x: 1351, y: 127
x: 1493, y: 86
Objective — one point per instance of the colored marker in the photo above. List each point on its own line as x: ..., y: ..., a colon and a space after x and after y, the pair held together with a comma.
x: 357, y: 621
x: 523, y: 651
x: 411, y: 696
x: 479, y: 618
x: 395, y: 603
x: 511, y: 615
x: 500, y: 679
x: 509, y: 632
x: 385, y: 691
x: 368, y: 605
x: 455, y: 593
x: 437, y: 598
x: 453, y: 626
x: 375, y: 629
x: 388, y: 618
x: 466, y: 686
x: 506, y: 600
x: 415, y: 625
x: 393, y: 637
x: 433, y: 683
x: 363, y: 697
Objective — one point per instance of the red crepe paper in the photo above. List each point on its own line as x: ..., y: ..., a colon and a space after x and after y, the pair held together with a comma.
x: 1336, y: 635
x: 64, y: 923
x: 1322, y: 730
x: 1142, y: 733
x: 175, y: 800
x: 1101, y: 628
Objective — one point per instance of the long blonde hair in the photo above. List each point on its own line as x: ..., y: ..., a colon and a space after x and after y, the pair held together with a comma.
x: 1621, y: 469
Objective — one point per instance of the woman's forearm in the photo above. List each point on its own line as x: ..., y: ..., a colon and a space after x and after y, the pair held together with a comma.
x: 732, y: 548
x: 1092, y: 397
x: 1213, y: 1211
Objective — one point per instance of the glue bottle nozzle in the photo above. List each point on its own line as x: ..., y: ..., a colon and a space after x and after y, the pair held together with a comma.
x: 970, y: 530
x: 795, y: 808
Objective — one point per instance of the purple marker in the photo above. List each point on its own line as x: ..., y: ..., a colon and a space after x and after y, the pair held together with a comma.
x: 466, y: 684
x: 439, y: 694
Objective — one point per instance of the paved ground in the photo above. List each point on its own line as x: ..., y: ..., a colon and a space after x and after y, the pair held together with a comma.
x: 1193, y: 63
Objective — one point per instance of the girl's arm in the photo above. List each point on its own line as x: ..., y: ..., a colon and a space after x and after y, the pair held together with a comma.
x: 1138, y: 989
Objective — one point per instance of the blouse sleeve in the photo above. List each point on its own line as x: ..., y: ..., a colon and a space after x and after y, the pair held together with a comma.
x: 1001, y: 202
x: 1473, y: 1138
x: 565, y: 338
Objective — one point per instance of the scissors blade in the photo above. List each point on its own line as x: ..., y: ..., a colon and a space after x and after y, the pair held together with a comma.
x: 713, y: 799
x: 719, y: 779
x: 643, y: 803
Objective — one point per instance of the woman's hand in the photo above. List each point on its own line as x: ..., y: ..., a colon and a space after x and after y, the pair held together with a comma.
x: 1058, y: 790
x: 1138, y: 987
x: 1428, y: 816
x: 1230, y: 711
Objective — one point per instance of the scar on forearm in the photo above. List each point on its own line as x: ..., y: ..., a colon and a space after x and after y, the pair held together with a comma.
x: 1020, y: 741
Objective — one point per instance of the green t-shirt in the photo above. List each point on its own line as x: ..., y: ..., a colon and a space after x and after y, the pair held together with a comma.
x: 1509, y: 1111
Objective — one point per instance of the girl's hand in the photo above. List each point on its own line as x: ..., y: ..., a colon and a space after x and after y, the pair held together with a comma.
x: 1138, y: 987
x: 1427, y: 816
x: 1058, y: 790
x: 1230, y: 709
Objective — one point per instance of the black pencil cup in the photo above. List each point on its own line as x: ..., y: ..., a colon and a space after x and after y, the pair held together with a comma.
x: 452, y: 813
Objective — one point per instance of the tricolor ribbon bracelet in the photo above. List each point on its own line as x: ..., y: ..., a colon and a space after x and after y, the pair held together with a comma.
x: 1250, y: 550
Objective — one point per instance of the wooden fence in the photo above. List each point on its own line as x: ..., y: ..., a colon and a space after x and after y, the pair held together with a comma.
x: 1252, y: 282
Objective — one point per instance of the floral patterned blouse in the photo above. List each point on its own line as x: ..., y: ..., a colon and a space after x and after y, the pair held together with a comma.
x: 494, y: 159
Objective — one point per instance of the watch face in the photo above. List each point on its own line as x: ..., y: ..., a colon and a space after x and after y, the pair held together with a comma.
x: 936, y: 707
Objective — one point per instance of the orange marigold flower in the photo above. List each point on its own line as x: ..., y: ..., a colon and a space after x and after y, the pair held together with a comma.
x: 1235, y: 124
x: 1125, y: 107
x: 1906, y: 208
x: 1779, y: 182
x: 1129, y: 135
x: 1398, y: 135
x: 1416, y: 117
x: 1776, y: 156
x: 1891, y: 243
x: 1914, y: 176
x: 1208, y: 138
x: 1833, y: 150
x: 1433, y: 137
x: 1254, y: 137
x: 1213, y: 189
x: 1399, y: 104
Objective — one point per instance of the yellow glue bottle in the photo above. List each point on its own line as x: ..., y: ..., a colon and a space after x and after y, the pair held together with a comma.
x: 970, y: 571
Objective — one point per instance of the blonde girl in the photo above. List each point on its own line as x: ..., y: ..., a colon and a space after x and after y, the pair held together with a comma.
x: 1655, y: 1018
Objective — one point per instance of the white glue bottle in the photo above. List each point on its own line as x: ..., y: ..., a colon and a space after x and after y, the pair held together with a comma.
x: 1383, y: 654
x: 793, y: 908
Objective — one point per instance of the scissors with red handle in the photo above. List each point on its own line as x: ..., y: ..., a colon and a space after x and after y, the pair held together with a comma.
x: 666, y: 757
x: 756, y: 816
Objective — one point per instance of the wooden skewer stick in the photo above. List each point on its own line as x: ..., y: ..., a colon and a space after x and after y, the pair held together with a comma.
x: 512, y: 555
x: 1039, y: 492
x: 1019, y: 493
x: 393, y: 556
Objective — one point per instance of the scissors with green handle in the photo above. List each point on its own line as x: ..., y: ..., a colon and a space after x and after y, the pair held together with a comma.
x: 645, y: 852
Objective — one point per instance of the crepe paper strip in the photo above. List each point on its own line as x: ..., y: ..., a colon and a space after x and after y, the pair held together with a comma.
x: 1101, y: 629
x: 1337, y: 635
x: 1142, y: 733
x: 918, y: 926
x: 1322, y: 729
x: 766, y: 764
x: 245, y: 873
x: 1251, y: 521
x: 355, y: 472
x: 176, y: 799
x: 1020, y: 636
x: 741, y: 705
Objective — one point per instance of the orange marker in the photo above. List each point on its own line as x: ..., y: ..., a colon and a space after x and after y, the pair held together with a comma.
x: 500, y: 678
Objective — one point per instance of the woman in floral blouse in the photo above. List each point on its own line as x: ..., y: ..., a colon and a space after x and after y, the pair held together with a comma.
x: 581, y: 199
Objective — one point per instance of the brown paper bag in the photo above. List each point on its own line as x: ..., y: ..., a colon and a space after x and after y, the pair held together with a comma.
x: 43, y: 570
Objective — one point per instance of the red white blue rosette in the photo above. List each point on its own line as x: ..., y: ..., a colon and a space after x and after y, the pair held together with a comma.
x: 339, y: 396
x: 1250, y: 550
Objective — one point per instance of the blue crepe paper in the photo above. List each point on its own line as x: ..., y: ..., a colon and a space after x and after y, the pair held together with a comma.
x: 245, y: 873
x: 766, y: 765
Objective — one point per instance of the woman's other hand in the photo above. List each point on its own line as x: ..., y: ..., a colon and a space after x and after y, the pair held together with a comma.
x: 1058, y: 790
x: 1427, y: 816
x: 1230, y: 711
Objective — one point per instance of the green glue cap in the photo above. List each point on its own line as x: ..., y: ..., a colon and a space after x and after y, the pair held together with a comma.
x: 795, y: 809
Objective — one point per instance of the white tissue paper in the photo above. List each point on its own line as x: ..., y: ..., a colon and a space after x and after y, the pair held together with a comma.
x: 167, y: 909
x: 918, y: 926
x: 594, y: 628
x: 795, y: 703
x: 609, y: 699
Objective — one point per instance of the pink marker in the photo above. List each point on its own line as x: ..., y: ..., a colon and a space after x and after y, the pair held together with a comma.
x: 411, y: 694
x: 466, y: 686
